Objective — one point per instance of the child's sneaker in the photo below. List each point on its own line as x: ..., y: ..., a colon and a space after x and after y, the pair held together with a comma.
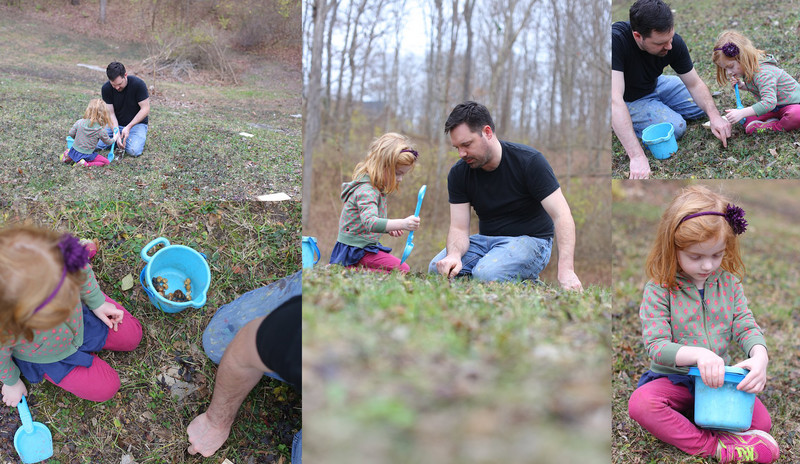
x: 81, y: 163
x: 64, y: 157
x: 761, y: 126
x: 750, y: 446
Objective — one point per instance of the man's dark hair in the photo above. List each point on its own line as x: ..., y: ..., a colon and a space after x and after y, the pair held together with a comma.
x: 114, y: 70
x: 647, y: 16
x: 473, y: 114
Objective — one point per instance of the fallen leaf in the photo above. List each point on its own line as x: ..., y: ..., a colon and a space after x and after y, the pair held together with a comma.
x: 773, y: 152
x: 127, y: 282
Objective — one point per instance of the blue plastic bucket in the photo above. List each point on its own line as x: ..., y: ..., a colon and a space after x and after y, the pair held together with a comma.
x: 311, y: 253
x: 70, y: 141
x: 660, y: 139
x: 723, y: 408
x: 175, y: 263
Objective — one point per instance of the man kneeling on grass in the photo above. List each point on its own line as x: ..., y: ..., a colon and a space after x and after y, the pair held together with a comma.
x: 128, y: 104
x: 518, y: 202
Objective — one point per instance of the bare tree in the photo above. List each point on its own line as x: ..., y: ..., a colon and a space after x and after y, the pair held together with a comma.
x: 103, y: 5
x: 313, y: 107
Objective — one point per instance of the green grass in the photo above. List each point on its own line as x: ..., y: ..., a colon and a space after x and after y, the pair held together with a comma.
x: 771, y: 26
x: 415, y: 369
x: 193, y: 150
x: 771, y: 286
x: 248, y: 245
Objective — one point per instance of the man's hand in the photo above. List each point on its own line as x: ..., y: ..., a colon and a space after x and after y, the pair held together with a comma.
x: 12, y: 394
x: 569, y: 280
x: 449, y: 266
x: 721, y: 129
x: 640, y: 167
x: 205, y: 437
x: 123, y: 135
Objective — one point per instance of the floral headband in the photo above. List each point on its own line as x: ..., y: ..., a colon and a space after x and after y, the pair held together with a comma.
x: 409, y: 150
x: 730, y: 49
x: 733, y: 214
x: 76, y: 256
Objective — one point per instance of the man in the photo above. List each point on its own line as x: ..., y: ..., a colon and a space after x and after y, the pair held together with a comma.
x: 128, y: 104
x: 269, y: 345
x: 641, y: 96
x: 518, y: 202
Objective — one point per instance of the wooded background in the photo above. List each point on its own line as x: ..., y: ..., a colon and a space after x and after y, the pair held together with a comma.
x: 184, y: 38
x: 542, y: 67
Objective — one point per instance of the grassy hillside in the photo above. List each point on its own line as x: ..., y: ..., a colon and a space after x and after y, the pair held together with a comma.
x: 418, y: 369
x: 193, y: 150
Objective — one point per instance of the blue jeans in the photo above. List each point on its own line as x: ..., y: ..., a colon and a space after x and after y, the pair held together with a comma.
x: 135, y: 143
x: 502, y: 258
x: 671, y: 102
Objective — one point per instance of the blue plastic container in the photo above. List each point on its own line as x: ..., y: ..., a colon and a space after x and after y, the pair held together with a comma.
x: 311, y: 253
x: 70, y: 141
x: 723, y: 408
x: 660, y: 140
x: 175, y: 263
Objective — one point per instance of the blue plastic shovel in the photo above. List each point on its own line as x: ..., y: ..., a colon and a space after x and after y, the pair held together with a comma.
x: 738, y: 100
x: 410, y: 241
x: 111, y: 153
x: 33, y: 441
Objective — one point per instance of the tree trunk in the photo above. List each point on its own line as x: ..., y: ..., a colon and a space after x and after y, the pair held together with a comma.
x: 313, y: 107
x: 103, y: 11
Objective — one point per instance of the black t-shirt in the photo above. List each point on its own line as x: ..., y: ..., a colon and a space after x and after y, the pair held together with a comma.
x: 508, y: 199
x: 279, y: 340
x: 641, y: 68
x: 126, y: 103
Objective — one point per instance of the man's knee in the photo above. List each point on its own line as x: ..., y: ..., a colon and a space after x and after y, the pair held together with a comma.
x: 680, y: 127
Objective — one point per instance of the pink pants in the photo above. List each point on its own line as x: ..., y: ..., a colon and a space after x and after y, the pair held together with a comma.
x: 100, y: 382
x: 659, y: 407
x: 788, y: 117
x: 98, y: 160
x: 382, y: 262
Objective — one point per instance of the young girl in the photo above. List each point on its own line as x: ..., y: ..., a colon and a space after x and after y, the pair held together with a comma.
x: 364, y: 217
x: 693, y: 308
x: 739, y: 62
x: 53, y: 317
x: 87, y: 132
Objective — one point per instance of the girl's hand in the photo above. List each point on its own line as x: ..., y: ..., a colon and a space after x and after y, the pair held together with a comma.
x: 756, y: 380
x: 396, y: 233
x: 12, y: 394
x: 712, y: 368
x: 734, y: 116
x: 734, y: 81
x: 411, y: 223
x: 109, y: 314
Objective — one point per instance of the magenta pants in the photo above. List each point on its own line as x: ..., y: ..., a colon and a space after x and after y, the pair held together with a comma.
x: 100, y: 382
x: 382, y: 262
x: 660, y: 406
x: 788, y: 117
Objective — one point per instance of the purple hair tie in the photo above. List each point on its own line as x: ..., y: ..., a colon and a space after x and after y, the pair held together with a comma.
x: 408, y: 150
x: 729, y: 49
x: 733, y: 214
x: 76, y: 256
